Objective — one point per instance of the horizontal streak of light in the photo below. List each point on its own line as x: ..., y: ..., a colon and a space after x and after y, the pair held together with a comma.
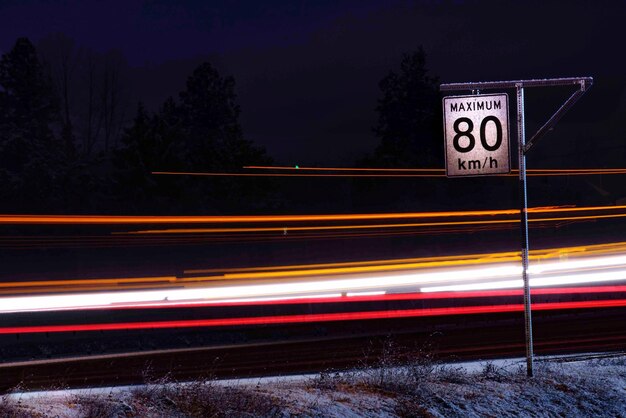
x: 283, y: 167
x: 310, y: 228
x: 216, y: 174
x: 121, y: 280
x: 114, y: 239
x: 365, y: 226
x: 273, y: 290
x: 436, y: 170
x: 369, y: 269
x: 292, y: 299
x: 156, y: 240
x: 286, y: 290
x: 300, y: 270
x: 578, y: 264
x: 79, y: 301
x: 361, y: 297
x: 534, y: 282
x: 384, y: 297
x: 287, y: 271
x: 153, y: 240
x: 387, y: 297
x: 391, y: 262
x: 327, y: 317
x: 359, y: 294
x: 147, y: 219
x: 333, y: 175
x: 535, y: 254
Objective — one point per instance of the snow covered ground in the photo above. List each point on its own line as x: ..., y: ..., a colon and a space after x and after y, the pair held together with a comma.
x: 422, y: 388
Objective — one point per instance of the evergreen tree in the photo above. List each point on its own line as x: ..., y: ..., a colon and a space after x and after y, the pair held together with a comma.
x: 409, y: 128
x: 214, y: 142
x: 210, y: 113
x: 151, y: 143
x: 201, y: 133
x: 29, y: 153
x: 409, y: 117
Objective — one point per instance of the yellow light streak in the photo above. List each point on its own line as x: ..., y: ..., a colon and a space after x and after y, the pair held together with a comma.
x: 370, y: 175
x: 149, y: 219
x: 271, y: 273
x: 432, y: 170
x: 359, y: 227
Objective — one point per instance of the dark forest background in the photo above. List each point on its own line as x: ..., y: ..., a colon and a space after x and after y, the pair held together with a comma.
x: 73, y: 140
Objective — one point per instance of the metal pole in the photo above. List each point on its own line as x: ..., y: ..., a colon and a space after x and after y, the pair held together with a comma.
x: 521, y: 141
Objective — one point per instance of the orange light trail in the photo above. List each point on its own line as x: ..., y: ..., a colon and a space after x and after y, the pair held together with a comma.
x: 334, y: 175
x: 304, y: 270
x: 368, y: 226
x: 164, y: 279
x: 123, y: 220
x: 436, y: 170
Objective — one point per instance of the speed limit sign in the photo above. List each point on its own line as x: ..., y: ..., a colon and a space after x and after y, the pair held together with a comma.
x: 476, y: 130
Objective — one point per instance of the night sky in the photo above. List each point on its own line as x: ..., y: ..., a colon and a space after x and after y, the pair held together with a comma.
x: 307, y: 71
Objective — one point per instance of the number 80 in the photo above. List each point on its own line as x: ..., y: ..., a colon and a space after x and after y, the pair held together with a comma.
x: 472, y: 141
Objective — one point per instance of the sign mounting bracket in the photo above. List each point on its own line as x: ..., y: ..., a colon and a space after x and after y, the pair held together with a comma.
x: 584, y: 83
x: 549, y: 125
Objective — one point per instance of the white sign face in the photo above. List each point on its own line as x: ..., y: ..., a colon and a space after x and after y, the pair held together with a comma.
x: 476, y: 130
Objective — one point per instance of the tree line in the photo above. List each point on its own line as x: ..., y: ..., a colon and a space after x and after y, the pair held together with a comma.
x: 66, y: 149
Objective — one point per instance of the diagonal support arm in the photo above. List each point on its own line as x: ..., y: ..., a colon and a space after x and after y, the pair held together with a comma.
x: 549, y: 125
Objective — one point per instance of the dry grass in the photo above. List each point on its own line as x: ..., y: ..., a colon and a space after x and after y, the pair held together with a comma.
x: 207, y: 399
x: 12, y: 409
x: 97, y: 406
x: 400, y: 384
x: 420, y: 386
x: 396, y: 370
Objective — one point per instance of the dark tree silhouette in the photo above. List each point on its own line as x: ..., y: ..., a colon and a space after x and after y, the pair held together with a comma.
x: 29, y: 153
x: 409, y: 117
x: 211, y: 118
x: 201, y: 133
x: 215, y: 142
x: 409, y: 128
x: 152, y: 143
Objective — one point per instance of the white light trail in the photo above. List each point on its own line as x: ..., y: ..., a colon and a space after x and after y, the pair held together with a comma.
x: 436, y: 279
x: 283, y: 290
x: 352, y: 294
x: 583, y: 263
x: 534, y: 282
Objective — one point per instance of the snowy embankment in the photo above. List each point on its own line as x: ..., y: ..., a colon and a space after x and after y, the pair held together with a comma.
x: 422, y: 388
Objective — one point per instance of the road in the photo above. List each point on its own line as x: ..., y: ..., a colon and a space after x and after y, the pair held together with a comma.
x: 500, y: 336
x: 220, y: 288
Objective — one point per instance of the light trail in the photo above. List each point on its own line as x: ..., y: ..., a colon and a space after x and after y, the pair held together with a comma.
x: 491, y: 271
x: 218, y: 174
x: 312, y: 318
x: 379, y: 172
x: 604, y: 255
x: 435, y: 170
x: 119, y: 220
x: 6, y: 219
x: 116, y: 281
x: 534, y: 282
x: 382, y: 296
x: 101, y: 299
x: 366, y: 226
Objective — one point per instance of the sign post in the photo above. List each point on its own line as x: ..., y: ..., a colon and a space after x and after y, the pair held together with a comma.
x: 463, y: 142
x: 521, y: 142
